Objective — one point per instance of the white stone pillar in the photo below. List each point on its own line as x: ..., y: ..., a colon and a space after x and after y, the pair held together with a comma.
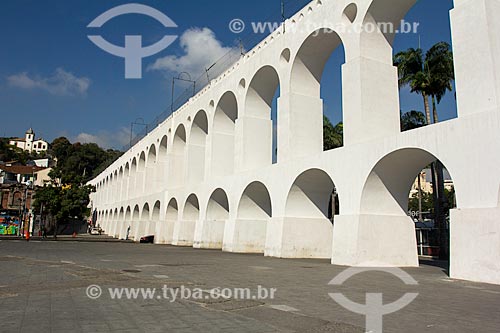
x: 370, y: 100
x: 300, y: 126
x: 476, y: 47
x: 254, y: 143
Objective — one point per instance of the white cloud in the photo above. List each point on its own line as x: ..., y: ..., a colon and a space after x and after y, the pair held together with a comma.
x: 201, y: 49
x: 106, y: 139
x: 61, y: 83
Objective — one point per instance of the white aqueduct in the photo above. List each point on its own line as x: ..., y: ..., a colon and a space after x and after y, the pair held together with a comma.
x: 205, y: 176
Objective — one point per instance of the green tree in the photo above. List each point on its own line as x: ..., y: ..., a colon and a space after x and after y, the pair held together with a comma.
x: 78, y: 163
x: 63, y: 204
x: 411, y: 73
x: 428, y: 202
x: 7, y: 152
x: 431, y: 76
x: 411, y: 120
x: 333, y: 137
x: 439, y: 61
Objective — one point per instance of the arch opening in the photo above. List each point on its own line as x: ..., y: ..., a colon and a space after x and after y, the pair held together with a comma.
x: 260, y: 132
x: 171, y: 217
x: 216, y: 215
x: 120, y: 221
x: 411, y: 192
x: 185, y: 228
x: 141, y: 174
x: 162, y: 160
x: 317, y: 85
x: 307, y: 227
x: 163, y: 147
x: 191, y: 208
x: 120, y: 185
x: 426, y: 71
x: 133, y: 178
x: 127, y: 224
x: 351, y: 12
x: 254, y: 213
x: 142, y: 162
x: 135, y: 223
x: 143, y: 222
x: 151, y: 168
x: 223, y: 136
x: 177, y: 172
x: 197, y: 147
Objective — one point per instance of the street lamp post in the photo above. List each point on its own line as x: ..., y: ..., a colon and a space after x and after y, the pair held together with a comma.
x: 180, y: 78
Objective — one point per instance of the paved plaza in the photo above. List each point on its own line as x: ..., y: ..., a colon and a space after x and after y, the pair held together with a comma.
x: 44, y: 284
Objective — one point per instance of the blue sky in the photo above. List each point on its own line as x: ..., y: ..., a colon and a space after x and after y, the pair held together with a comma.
x: 55, y: 80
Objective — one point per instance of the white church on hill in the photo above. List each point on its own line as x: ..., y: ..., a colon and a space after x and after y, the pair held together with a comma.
x: 29, y: 143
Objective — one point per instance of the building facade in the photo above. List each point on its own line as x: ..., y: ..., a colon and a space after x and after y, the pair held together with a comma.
x: 29, y: 143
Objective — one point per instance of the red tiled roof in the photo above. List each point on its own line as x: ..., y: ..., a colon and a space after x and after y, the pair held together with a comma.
x: 21, y: 169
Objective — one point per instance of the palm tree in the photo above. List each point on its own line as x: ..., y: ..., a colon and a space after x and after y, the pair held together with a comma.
x: 411, y: 73
x: 431, y: 76
x: 439, y: 61
x: 411, y: 120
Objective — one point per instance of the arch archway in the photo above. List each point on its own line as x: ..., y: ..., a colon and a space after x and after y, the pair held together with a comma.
x: 258, y: 132
x: 384, y: 206
x: 184, y: 230
x: 120, y: 184
x: 197, y: 147
x: 162, y: 168
x: 151, y: 168
x: 120, y: 221
x: 307, y: 227
x: 310, y: 69
x: 111, y: 227
x: 377, y: 44
x: 114, y: 183
x: 171, y: 217
x: 155, y: 220
x: 177, y: 158
x: 143, y: 222
x: 126, y: 228
x: 216, y: 217
x: 254, y: 213
x: 223, y: 135
x: 135, y: 223
x: 133, y: 178
x: 126, y: 181
x: 141, y: 173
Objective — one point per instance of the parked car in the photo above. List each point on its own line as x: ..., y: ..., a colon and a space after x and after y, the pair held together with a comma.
x: 147, y: 239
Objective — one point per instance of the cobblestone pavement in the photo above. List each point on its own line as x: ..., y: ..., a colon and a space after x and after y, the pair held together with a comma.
x: 43, y: 288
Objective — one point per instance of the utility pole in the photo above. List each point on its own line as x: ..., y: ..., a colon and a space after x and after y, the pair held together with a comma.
x: 283, y: 15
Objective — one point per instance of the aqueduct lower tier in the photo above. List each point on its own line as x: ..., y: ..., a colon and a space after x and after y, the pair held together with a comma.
x: 205, y: 176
